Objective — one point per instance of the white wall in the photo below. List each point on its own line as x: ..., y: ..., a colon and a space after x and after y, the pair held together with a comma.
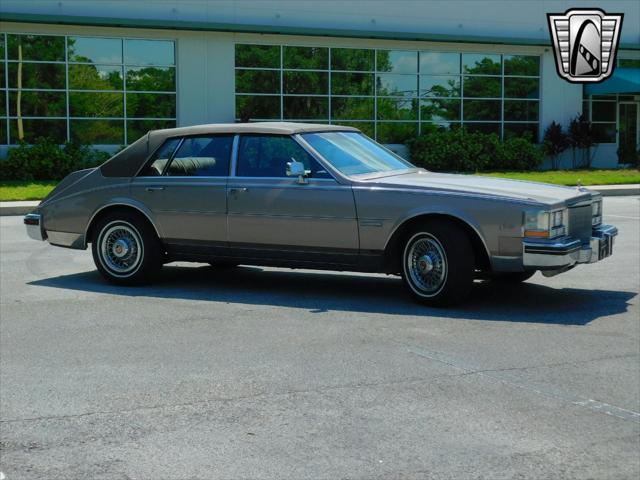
x: 205, y: 78
x: 561, y: 100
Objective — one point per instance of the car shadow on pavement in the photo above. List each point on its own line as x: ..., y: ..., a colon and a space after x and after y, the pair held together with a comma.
x: 324, y: 292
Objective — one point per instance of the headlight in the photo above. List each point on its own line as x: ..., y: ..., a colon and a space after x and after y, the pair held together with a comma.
x: 545, y: 224
x: 596, y: 208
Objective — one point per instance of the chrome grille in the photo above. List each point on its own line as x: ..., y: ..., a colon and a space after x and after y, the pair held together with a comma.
x: 580, y: 223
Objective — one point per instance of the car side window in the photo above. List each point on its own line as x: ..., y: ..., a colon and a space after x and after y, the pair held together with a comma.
x: 202, y: 157
x: 157, y: 164
x: 267, y: 156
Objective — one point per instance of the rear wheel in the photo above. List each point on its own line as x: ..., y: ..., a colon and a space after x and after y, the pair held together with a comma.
x: 125, y: 248
x: 438, y: 264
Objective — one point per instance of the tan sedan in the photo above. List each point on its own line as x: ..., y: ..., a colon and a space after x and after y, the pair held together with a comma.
x: 319, y: 197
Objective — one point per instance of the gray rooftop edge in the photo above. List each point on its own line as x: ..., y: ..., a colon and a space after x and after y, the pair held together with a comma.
x: 276, y: 30
x: 280, y: 128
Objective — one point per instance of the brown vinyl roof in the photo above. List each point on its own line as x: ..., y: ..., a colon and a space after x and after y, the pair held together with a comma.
x: 127, y: 162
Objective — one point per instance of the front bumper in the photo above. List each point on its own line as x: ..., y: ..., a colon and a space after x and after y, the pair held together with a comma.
x: 567, y: 252
x: 34, y: 226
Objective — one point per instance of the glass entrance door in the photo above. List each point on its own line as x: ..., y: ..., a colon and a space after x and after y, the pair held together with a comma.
x: 628, y: 132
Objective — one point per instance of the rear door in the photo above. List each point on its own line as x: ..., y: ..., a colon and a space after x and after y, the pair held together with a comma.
x: 184, y: 185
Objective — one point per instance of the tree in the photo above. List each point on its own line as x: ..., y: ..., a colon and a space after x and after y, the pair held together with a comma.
x: 581, y: 138
x: 555, y: 142
x: 31, y: 47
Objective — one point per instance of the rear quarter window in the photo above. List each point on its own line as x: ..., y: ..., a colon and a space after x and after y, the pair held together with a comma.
x: 202, y: 157
x: 157, y: 164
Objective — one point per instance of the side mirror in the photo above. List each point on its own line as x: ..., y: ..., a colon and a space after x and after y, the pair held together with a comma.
x: 296, y: 169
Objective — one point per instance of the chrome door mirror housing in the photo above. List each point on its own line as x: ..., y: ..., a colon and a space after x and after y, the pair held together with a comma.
x: 296, y: 169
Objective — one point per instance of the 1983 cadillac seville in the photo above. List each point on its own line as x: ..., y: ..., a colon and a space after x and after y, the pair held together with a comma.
x: 318, y: 197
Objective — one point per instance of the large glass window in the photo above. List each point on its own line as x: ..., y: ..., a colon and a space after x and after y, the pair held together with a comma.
x: 93, y: 90
x: 602, y: 111
x: 39, y: 48
x: 391, y: 95
x: 629, y: 62
x: 352, y: 59
x: 314, y: 58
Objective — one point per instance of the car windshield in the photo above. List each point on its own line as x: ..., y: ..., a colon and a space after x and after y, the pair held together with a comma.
x: 353, y: 153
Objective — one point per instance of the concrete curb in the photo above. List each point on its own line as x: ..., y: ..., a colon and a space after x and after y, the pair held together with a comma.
x: 617, y: 190
x: 17, y: 208
x: 22, y: 208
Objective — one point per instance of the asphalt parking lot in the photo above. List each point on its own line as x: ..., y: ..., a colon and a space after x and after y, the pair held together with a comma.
x: 273, y: 373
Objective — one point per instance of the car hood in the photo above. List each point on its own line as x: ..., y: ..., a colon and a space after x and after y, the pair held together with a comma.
x: 515, y: 189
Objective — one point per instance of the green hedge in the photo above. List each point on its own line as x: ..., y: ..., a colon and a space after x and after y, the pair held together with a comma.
x: 458, y: 151
x: 438, y: 150
x: 45, y: 160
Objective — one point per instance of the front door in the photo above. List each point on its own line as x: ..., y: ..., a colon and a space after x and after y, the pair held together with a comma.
x: 272, y: 215
x: 628, y: 142
x: 184, y: 185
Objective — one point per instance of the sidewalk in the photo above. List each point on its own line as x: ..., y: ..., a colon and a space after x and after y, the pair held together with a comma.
x: 17, y: 208
x: 22, y: 208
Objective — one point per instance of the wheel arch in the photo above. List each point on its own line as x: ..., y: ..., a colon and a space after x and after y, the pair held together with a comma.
x: 120, y: 205
x: 395, y: 242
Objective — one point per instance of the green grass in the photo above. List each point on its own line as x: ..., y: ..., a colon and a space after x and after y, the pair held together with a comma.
x: 37, y: 190
x: 572, y: 177
x: 13, y: 190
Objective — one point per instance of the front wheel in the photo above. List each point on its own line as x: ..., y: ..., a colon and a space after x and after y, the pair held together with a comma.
x: 438, y: 264
x: 125, y: 248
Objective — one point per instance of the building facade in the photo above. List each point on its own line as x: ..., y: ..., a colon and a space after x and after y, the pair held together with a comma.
x: 105, y: 72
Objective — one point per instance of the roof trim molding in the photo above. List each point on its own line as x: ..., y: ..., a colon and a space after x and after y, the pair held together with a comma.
x: 272, y: 29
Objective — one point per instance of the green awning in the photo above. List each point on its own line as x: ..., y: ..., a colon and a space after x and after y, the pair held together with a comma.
x: 623, y: 80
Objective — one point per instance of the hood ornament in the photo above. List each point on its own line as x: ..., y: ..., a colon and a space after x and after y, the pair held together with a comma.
x: 580, y: 188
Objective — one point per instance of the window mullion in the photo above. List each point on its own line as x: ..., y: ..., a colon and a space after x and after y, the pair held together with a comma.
x: 6, y: 84
x: 281, y: 82
x: 329, y: 111
x: 66, y: 79
x: 375, y: 94
x: 124, y: 93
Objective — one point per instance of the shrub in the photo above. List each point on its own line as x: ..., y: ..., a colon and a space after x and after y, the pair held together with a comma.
x: 457, y: 151
x: 519, y: 153
x: 581, y: 138
x: 45, y: 160
x: 555, y: 142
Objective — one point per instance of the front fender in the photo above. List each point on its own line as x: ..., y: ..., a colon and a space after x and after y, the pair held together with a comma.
x: 456, y: 213
x: 382, y: 211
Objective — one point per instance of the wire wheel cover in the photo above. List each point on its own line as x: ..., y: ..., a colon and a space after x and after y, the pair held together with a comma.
x: 426, y: 264
x: 120, y: 248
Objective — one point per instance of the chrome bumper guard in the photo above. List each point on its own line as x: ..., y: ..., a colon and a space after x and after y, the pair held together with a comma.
x: 568, y: 252
x: 34, y: 226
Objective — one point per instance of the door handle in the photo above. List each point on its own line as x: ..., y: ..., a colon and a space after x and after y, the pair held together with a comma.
x: 234, y: 191
x: 154, y: 189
